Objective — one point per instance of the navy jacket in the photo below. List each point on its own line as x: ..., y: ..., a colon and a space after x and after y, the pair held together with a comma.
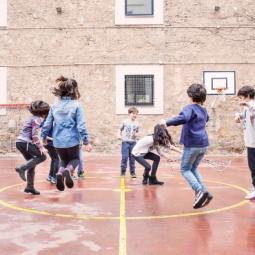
x: 193, y: 117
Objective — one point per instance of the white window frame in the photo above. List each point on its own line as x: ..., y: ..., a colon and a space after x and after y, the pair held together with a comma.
x: 155, y: 19
x: 3, y: 88
x: 157, y: 71
x: 3, y: 13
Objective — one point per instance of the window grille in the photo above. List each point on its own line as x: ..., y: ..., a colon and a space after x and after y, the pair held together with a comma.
x: 139, y: 89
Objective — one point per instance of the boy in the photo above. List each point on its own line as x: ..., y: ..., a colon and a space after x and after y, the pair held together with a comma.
x: 194, y: 137
x: 247, y: 117
x: 128, y: 134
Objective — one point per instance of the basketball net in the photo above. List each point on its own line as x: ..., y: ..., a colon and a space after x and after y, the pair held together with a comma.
x: 220, y: 96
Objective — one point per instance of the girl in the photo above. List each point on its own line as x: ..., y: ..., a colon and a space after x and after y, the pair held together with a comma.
x: 30, y: 146
x: 149, y: 148
x: 67, y: 119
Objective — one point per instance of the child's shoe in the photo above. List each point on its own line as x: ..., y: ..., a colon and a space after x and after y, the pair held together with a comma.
x: 145, y: 179
x: 53, y: 180
x: 60, y: 182
x: 154, y: 181
x: 33, y: 191
x: 133, y: 175
x: 250, y: 196
x: 49, y: 178
x: 122, y: 173
x: 21, y: 173
x: 81, y: 175
x: 68, y: 179
x: 208, y: 200
x: 200, y: 198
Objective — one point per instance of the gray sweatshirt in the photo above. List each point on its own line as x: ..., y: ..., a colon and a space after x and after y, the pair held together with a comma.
x: 247, y: 118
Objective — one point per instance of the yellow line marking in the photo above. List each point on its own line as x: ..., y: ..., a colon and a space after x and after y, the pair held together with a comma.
x: 122, y: 216
x: 123, y: 229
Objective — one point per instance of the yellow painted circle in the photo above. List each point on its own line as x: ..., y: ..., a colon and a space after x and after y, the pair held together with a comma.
x: 86, y: 217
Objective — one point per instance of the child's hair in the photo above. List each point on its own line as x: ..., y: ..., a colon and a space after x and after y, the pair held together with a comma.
x: 133, y: 110
x: 161, y: 136
x: 197, y: 93
x: 39, y: 108
x: 66, y: 87
x: 246, y: 91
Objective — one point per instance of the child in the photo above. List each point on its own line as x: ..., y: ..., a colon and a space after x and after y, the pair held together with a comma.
x: 128, y: 134
x: 54, y: 165
x: 194, y: 137
x: 30, y: 146
x: 247, y: 117
x: 149, y: 148
x: 67, y: 119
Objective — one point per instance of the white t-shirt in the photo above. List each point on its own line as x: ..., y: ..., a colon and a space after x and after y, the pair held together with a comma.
x: 144, y: 146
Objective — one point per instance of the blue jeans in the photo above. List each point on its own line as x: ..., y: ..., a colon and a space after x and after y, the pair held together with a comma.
x: 126, y: 149
x: 191, y: 158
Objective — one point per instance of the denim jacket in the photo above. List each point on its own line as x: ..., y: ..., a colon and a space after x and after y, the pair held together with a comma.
x: 68, y: 122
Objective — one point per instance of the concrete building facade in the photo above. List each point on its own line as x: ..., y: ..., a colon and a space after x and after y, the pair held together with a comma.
x: 97, y: 42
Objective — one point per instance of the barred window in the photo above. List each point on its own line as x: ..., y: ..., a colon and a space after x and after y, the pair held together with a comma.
x: 139, y: 7
x: 139, y: 90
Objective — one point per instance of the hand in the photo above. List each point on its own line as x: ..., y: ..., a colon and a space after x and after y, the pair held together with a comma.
x: 45, y: 142
x: 88, y: 147
x: 163, y: 123
x: 43, y: 150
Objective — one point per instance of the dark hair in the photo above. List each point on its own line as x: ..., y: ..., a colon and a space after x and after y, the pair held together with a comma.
x: 197, y: 92
x: 39, y: 108
x: 246, y: 91
x: 66, y: 88
x: 161, y: 136
x: 132, y: 110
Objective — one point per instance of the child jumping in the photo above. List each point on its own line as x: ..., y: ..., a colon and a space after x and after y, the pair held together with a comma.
x: 128, y: 134
x: 194, y: 137
x: 149, y: 148
x: 68, y: 122
x: 246, y: 95
x: 30, y: 146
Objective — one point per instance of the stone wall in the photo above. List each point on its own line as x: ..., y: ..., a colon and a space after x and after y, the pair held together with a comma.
x: 83, y: 42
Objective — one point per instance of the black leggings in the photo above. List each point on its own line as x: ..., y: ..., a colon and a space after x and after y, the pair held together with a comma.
x: 33, y: 156
x: 54, y: 164
x: 147, y: 167
x: 251, y: 163
x: 69, y: 156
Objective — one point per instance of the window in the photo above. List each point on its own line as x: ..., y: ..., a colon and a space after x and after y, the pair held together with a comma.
x: 139, y: 89
x: 139, y: 85
x: 3, y: 13
x: 140, y: 12
x: 139, y: 7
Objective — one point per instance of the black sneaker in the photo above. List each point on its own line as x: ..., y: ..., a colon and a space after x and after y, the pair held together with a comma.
x: 33, y: 191
x: 154, y: 181
x: 145, y: 179
x: 200, y: 198
x: 60, y: 182
x: 68, y: 179
x: 21, y: 173
x: 208, y: 200
x: 122, y: 173
x: 81, y: 175
x: 133, y: 175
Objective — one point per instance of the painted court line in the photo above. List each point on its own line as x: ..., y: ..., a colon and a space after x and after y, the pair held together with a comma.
x: 123, y: 227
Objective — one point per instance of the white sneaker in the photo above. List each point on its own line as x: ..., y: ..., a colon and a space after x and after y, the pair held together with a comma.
x: 250, y: 196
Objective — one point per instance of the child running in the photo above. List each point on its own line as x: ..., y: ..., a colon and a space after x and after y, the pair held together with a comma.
x: 149, y: 148
x: 30, y: 146
x: 68, y: 122
x: 128, y: 132
x: 246, y: 95
x: 194, y: 137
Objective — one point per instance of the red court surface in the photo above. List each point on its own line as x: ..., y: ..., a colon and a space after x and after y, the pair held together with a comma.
x: 107, y: 215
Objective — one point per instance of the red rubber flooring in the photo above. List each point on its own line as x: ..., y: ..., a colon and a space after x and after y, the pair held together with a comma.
x: 107, y: 215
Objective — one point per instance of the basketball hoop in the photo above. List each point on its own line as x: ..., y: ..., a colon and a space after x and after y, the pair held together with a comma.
x: 220, y: 96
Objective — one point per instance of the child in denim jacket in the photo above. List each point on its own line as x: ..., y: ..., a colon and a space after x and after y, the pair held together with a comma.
x: 68, y: 122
